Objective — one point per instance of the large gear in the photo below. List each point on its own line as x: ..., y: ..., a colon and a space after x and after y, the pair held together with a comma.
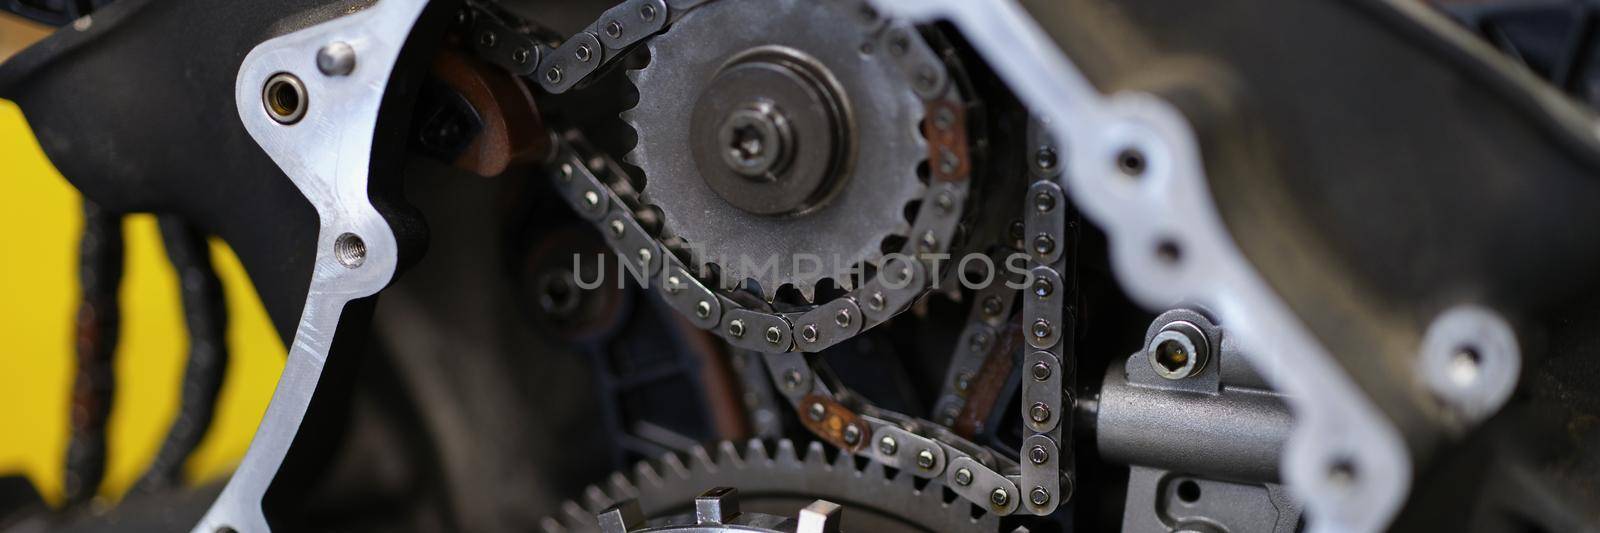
x: 779, y: 111
x: 772, y: 477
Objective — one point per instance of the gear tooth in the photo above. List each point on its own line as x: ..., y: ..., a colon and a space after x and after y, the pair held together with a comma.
x: 576, y: 514
x: 728, y: 454
x: 549, y: 524
x: 621, y: 487
x: 844, y: 460
x: 755, y: 451
x: 596, y: 499
x: 808, y: 290
x: 815, y: 454
x: 645, y: 475
x: 786, y: 453
x: 769, y: 291
x: 700, y: 459
x: 673, y: 466
x: 873, y: 470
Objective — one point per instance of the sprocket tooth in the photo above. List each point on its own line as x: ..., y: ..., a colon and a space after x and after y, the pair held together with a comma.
x: 700, y: 459
x: 576, y: 514
x: 873, y: 471
x: 816, y: 455
x: 728, y: 454
x: 595, y: 498
x: 755, y: 451
x: 844, y: 460
x: 672, y: 465
x: 807, y: 290
x: 645, y: 475
x: 549, y: 524
x: 786, y: 453
x: 621, y: 488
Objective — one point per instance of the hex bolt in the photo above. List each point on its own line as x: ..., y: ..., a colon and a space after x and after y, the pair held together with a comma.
x: 1042, y: 329
x: 887, y: 445
x: 999, y: 498
x: 852, y: 434
x: 1044, y: 202
x: 1041, y: 371
x: 337, y: 58
x: 1038, y: 455
x: 702, y: 309
x: 1039, y: 496
x: 816, y: 412
x: 842, y: 318
x: 1039, y: 413
x: 1043, y: 244
x: 736, y: 328
x: 773, y: 335
x: 808, y: 333
x: 1043, y: 287
x: 791, y: 379
x: 963, y: 477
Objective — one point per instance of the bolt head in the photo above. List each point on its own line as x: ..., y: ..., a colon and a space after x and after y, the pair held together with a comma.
x: 553, y: 75
x: 791, y: 379
x: 618, y: 228
x: 583, y: 53
x: 875, y: 302
x: 888, y: 446
x: 999, y: 497
x: 963, y: 477
x: 1039, y: 496
x: 614, y: 29
x: 520, y: 55
x: 816, y: 412
x: 991, y: 306
x: 1042, y: 329
x: 842, y: 318
x: 1038, y: 455
x: 1039, y: 412
x: 337, y: 58
x: 773, y: 335
x: 1043, y: 244
x: 852, y: 434
x: 1043, y: 287
x: 702, y: 309
x: 1045, y: 158
x: 647, y: 13
x: 925, y: 459
x: 591, y: 199
x: 963, y: 381
x: 674, y: 284
x: 1044, y: 202
x: 736, y: 328
x: 808, y: 333
x: 1041, y: 371
x: 488, y: 39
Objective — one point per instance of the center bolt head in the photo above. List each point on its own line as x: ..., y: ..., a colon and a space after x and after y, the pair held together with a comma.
x: 756, y: 141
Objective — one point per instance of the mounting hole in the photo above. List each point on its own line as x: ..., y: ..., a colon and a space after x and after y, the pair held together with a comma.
x: 285, y: 99
x: 350, y: 250
x: 1342, y: 473
x: 1466, y: 364
x: 1169, y: 252
x: 1131, y: 162
x: 226, y: 529
x: 1188, y: 491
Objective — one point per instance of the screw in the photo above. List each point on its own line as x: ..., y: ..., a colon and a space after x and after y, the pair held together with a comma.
x: 999, y: 497
x: 817, y: 411
x: 791, y: 379
x: 991, y: 306
x: 1041, y: 371
x: 1038, y: 455
x: 925, y: 459
x: 1044, y: 202
x: 1039, y: 496
x: 736, y: 328
x: 583, y: 53
x: 773, y: 335
x: 875, y: 302
x: 888, y: 446
x: 1043, y: 287
x: 647, y: 13
x: 1042, y: 329
x: 1045, y: 158
x: 614, y: 29
x: 703, y: 309
x: 553, y: 75
x: 963, y: 477
x: 520, y: 55
x: 1044, y: 244
x: 1039, y: 412
x: 617, y: 229
x: 852, y: 434
x: 842, y: 318
x: 338, y: 58
x: 808, y: 333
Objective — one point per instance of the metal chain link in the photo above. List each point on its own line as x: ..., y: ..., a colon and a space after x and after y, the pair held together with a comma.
x: 1048, y: 369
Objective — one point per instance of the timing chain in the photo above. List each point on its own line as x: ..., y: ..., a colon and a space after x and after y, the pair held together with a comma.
x: 596, y: 189
x: 1049, y: 367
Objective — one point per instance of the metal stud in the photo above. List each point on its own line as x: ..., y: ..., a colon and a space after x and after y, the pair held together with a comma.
x: 888, y: 446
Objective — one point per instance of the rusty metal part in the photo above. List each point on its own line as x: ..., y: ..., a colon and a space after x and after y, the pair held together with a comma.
x: 989, y: 383
x: 836, y: 424
x: 945, y: 127
x: 513, y: 132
